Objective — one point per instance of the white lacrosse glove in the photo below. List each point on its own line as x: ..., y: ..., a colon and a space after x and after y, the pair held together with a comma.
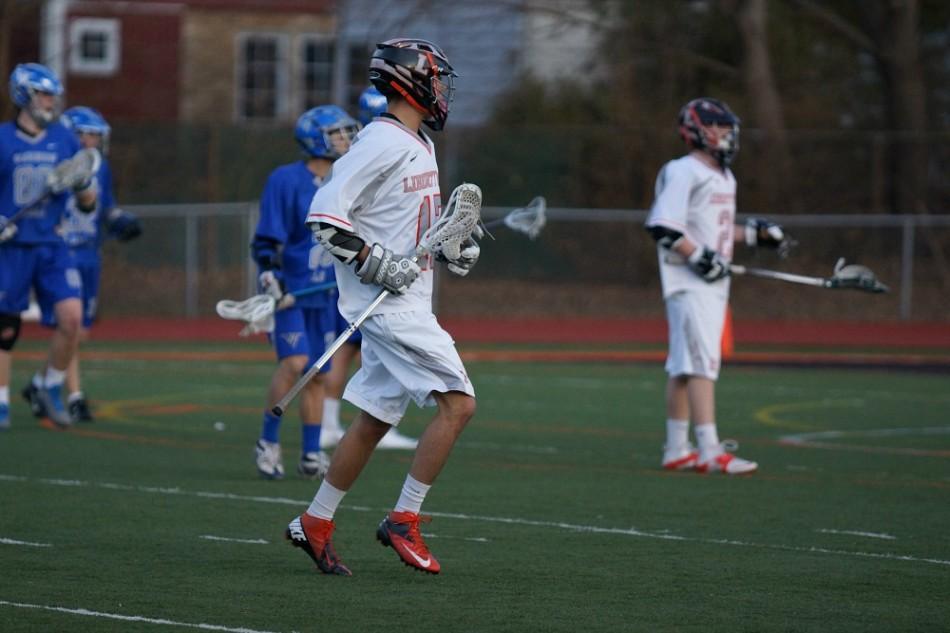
x: 759, y: 232
x: 395, y: 273
x: 7, y: 229
x: 708, y: 264
x: 271, y: 285
x: 468, y: 256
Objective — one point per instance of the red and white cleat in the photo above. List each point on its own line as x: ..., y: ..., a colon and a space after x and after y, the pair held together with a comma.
x: 726, y: 463
x: 400, y: 531
x: 312, y: 535
x: 680, y: 458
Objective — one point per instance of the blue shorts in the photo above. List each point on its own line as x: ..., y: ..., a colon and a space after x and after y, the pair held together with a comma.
x: 303, y: 331
x: 47, y: 268
x: 341, y: 324
x: 89, y: 274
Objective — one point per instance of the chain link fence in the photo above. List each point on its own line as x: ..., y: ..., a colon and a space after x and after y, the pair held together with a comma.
x: 586, y: 262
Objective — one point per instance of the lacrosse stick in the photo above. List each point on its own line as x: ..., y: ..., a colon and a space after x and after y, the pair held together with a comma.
x: 446, y: 235
x: 67, y: 174
x: 528, y: 220
x: 262, y: 306
x: 844, y: 276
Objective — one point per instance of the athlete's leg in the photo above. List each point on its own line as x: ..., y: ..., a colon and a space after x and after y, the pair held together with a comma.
x: 455, y: 410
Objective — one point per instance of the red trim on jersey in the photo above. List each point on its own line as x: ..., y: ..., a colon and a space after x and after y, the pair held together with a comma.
x: 330, y: 217
x: 406, y: 130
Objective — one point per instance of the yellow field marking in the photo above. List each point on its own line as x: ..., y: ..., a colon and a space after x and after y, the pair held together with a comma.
x: 771, y: 415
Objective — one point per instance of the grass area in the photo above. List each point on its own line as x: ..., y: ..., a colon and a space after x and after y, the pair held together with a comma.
x: 552, y: 514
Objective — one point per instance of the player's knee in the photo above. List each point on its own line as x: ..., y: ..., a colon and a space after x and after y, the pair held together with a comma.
x: 293, y: 365
x: 459, y: 408
x: 9, y: 331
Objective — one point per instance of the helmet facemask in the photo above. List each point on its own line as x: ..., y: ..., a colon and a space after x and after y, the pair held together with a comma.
x: 418, y: 72
x: 701, y: 126
x: 40, y: 115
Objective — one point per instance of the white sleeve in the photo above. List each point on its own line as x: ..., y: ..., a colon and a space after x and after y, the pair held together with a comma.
x: 671, y: 205
x: 352, y: 183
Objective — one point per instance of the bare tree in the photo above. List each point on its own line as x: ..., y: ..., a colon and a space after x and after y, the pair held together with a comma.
x: 762, y: 93
x: 888, y: 30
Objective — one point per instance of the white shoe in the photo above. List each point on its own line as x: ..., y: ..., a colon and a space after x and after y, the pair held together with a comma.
x: 394, y: 440
x: 313, y: 464
x: 680, y: 457
x: 330, y: 436
x: 267, y: 456
x: 726, y: 463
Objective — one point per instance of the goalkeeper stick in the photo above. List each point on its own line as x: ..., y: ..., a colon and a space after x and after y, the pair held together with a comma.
x: 528, y: 220
x: 261, y: 306
x: 454, y: 226
x: 844, y: 276
x: 68, y: 173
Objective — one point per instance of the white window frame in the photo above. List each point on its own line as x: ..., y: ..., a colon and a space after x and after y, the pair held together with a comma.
x: 302, y: 44
x: 282, y: 79
x: 112, y: 30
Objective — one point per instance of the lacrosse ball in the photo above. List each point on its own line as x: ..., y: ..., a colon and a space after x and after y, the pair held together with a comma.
x: 219, y: 426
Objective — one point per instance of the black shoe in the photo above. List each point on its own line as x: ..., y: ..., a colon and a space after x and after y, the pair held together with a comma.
x: 32, y: 396
x: 80, y: 411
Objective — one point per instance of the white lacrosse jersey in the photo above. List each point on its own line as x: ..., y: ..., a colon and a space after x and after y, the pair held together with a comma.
x: 699, y: 202
x: 386, y: 190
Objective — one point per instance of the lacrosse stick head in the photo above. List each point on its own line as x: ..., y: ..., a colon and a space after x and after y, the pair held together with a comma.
x: 74, y: 171
x: 257, y: 308
x: 456, y: 224
x: 856, y: 277
x: 529, y: 220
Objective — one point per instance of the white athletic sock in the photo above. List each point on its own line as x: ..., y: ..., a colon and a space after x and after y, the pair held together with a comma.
x: 707, y: 438
x: 331, y: 413
x: 53, y: 377
x: 677, y: 433
x: 74, y: 396
x: 326, y: 501
x: 412, y: 495
x: 5, y: 395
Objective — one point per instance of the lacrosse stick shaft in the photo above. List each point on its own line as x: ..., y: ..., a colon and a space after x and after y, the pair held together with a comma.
x: 737, y: 269
x: 310, y: 290
x: 284, y: 402
x: 281, y: 406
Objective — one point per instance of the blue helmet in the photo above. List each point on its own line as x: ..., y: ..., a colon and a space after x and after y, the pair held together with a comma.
x: 372, y: 103
x: 85, y: 120
x: 28, y: 79
x: 82, y: 119
x: 315, y: 132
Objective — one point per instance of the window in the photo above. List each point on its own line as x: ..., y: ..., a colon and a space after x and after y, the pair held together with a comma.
x: 358, y: 78
x: 317, y: 57
x: 262, y: 77
x: 94, y: 46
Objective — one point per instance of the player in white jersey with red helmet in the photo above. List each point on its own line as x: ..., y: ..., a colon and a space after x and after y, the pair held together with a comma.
x: 693, y: 222
x: 380, y: 199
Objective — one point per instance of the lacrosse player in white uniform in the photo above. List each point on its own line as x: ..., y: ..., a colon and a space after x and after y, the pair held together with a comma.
x: 693, y: 222
x: 372, y: 103
x: 380, y: 199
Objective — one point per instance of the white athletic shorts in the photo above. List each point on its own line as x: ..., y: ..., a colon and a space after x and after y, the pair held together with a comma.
x: 405, y: 356
x: 695, y: 320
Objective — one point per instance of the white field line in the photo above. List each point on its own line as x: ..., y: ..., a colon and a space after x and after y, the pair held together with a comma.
x: 796, y: 438
x: 10, y: 541
x: 559, y: 525
x: 474, y: 539
x: 886, y: 537
x: 249, y: 541
x: 132, y: 618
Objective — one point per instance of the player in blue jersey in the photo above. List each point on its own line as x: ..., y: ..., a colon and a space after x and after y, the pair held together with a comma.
x: 32, y: 253
x: 84, y: 234
x: 371, y: 104
x: 290, y: 258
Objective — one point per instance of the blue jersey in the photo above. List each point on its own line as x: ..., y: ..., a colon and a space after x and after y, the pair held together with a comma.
x: 84, y: 232
x: 24, y: 163
x: 284, y: 207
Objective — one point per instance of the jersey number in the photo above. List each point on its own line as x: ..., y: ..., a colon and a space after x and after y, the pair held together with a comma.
x: 429, y: 211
